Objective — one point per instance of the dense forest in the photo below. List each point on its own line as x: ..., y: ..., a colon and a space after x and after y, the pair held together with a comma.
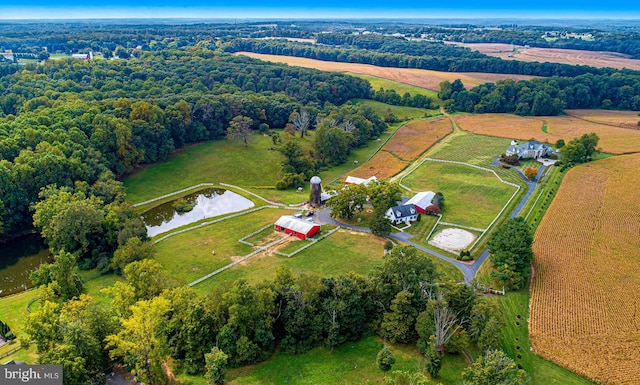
x: 67, y: 121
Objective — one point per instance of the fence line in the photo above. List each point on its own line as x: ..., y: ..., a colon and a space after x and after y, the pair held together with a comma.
x: 312, y: 242
x: 203, y: 224
x: 173, y: 193
x: 244, y: 241
x: 463, y: 227
x: 10, y: 352
x: 434, y: 227
x: 534, y: 204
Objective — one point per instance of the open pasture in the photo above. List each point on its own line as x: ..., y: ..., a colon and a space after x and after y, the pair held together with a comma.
x: 416, y: 77
x: 472, y: 197
x: 400, y: 88
x: 584, y: 302
x: 597, y: 59
x: 189, y: 256
x: 614, y: 140
x: 401, y: 112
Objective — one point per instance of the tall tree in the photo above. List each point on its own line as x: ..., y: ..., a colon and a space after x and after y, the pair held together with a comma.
x: 216, y: 366
x: 301, y: 121
x: 62, y: 276
x: 494, y: 367
x: 240, y: 128
x: 512, y: 253
x: 140, y: 342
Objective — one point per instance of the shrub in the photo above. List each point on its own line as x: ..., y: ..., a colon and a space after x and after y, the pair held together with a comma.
x: 385, y: 359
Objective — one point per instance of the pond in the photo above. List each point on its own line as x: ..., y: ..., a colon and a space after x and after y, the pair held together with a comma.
x: 18, y: 259
x: 207, y: 203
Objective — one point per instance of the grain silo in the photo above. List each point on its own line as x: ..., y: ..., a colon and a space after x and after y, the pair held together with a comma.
x: 316, y: 190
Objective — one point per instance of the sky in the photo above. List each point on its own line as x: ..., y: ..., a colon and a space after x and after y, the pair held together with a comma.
x: 308, y: 9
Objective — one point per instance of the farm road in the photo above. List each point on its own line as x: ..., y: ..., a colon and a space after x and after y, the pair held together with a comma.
x: 469, y: 270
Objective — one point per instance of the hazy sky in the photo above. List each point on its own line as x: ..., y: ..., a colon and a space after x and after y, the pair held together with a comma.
x: 69, y: 9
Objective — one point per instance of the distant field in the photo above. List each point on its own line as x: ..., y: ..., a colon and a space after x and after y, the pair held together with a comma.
x: 420, y: 78
x: 584, y: 301
x: 614, y: 140
x: 623, y: 119
x: 400, y: 88
x: 557, y: 55
x: 401, y: 112
x: 406, y: 145
x: 472, y: 197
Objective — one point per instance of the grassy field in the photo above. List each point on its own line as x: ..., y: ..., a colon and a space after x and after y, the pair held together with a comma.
x: 14, y: 311
x: 517, y: 344
x: 401, y: 112
x: 583, y: 302
x: 613, y: 138
x: 400, y: 88
x: 189, y: 256
x: 351, y: 363
x: 473, y: 197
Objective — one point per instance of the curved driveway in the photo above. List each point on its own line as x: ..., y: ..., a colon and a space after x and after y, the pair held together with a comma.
x: 469, y: 270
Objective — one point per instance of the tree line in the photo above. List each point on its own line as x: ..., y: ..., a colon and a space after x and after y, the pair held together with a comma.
x: 152, y: 317
x: 422, y: 55
x: 544, y: 96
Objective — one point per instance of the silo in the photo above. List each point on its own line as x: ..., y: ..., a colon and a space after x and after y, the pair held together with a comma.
x: 316, y: 190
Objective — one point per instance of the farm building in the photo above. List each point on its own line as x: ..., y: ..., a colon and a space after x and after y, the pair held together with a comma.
x: 532, y: 149
x: 356, y: 180
x: 296, y: 226
x: 404, y: 213
x: 421, y: 201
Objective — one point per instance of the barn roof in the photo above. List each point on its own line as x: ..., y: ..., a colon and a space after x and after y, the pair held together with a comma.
x: 404, y: 211
x: 422, y: 199
x: 296, y: 224
x: 356, y: 180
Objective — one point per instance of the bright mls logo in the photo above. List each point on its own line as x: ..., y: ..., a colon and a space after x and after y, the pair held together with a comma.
x: 31, y: 374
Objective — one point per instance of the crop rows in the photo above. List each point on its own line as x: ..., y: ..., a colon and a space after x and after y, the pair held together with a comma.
x: 585, y: 308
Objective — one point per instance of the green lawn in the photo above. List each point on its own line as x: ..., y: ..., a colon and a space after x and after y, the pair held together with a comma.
x: 351, y: 363
x: 189, y: 256
x: 400, y: 88
x: 473, y: 197
x: 421, y: 229
x: 13, y: 312
x: 517, y: 344
x: 401, y: 112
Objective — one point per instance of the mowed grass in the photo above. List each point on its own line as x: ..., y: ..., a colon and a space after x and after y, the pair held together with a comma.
x: 351, y: 363
x: 189, y: 256
x: 13, y: 311
x: 213, y: 162
x: 401, y: 112
x: 472, y: 197
x: 518, y: 346
x: 400, y: 88
x: 470, y: 148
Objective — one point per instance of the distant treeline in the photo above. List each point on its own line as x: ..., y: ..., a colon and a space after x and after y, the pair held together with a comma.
x: 545, y: 96
x: 388, y: 51
x: 67, y: 121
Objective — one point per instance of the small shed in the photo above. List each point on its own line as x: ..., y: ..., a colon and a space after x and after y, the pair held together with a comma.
x: 404, y: 213
x: 297, y: 226
x: 355, y: 180
x: 421, y: 201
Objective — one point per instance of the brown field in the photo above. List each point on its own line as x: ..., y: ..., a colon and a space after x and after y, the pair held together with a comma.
x: 624, y: 119
x: 415, y: 138
x: 585, y: 307
x: 382, y: 165
x: 614, y: 140
x: 420, y: 78
x: 407, y: 144
x: 557, y: 55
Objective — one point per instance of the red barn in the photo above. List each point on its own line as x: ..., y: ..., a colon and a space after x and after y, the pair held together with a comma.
x: 296, y: 226
x: 421, y: 200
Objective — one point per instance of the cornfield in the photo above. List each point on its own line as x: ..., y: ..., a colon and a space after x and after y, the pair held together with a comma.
x: 585, y: 306
x: 404, y: 146
x: 613, y: 137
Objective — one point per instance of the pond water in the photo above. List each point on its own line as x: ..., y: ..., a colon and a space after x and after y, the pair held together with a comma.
x: 18, y: 259
x: 207, y: 203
